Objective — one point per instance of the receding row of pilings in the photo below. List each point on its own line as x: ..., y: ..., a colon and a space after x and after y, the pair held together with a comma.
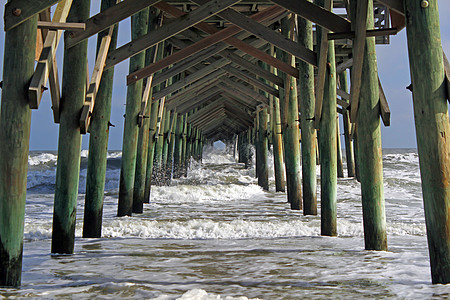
x: 172, y: 141
x: 158, y: 143
x: 363, y: 145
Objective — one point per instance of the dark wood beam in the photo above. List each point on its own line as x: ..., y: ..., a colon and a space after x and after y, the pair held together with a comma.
x: 268, y: 35
x: 19, y: 11
x: 161, y: 34
x: 316, y: 14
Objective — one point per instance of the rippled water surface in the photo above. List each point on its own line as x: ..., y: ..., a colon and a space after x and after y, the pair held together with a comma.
x: 217, y: 235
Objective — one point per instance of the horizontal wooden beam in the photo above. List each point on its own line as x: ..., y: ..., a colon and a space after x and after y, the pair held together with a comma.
x: 252, y: 80
x: 371, y: 32
x: 246, y: 90
x: 214, y: 38
x: 166, y: 31
x: 269, y: 35
x: 190, y: 79
x: 61, y: 26
x: 344, y: 66
x: 18, y: 11
x: 107, y: 18
x: 395, y: 5
x: 316, y: 14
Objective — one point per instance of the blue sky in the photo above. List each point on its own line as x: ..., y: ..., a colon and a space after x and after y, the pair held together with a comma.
x: 393, y: 66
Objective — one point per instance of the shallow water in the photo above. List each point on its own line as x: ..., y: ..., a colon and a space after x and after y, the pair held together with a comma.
x: 217, y: 235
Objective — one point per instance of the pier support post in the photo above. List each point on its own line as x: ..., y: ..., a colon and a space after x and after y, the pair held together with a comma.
x: 69, y: 142
x: 328, y: 143
x: 170, y: 154
x: 178, y: 148
x: 159, y: 148
x: 144, y: 129
x: 290, y: 123
x: 309, y: 134
x: 350, y: 158
x: 432, y: 129
x: 340, y: 166
x: 98, y: 144
x: 131, y: 129
x: 369, y: 144
x: 15, y: 121
x: 184, y: 147
x: 263, y: 173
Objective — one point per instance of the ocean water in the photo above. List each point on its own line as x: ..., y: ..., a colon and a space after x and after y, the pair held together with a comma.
x: 216, y: 235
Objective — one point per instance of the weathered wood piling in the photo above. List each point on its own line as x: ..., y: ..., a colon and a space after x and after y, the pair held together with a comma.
x: 131, y: 129
x: 15, y: 121
x: 432, y: 128
x: 98, y: 144
x: 69, y: 142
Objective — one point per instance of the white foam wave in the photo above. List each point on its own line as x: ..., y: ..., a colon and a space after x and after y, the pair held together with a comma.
x: 199, y: 294
x: 207, y: 229
x: 42, y: 158
x: 199, y: 194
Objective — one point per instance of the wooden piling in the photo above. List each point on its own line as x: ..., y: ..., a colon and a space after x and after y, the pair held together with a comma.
x: 349, y: 156
x: 184, y: 147
x: 432, y: 129
x: 151, y: 56
x: 15, y: 121
x: 263, y: 174
x: 177, y: 156
x: 131, y: 129
x: 328, y: 143
x: 340, y: 166
x: 290, y: 123
x: 152, y: 134
x: 170, y: 154
x: 159, y: 148
x: 369, y: 144
x: 69, y: 143
x: 98, y: 144
x: 309, y: 134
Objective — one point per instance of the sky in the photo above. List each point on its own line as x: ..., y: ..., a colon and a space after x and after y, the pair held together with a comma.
x: 393, y: 68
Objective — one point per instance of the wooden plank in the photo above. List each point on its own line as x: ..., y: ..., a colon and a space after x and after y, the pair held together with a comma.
x: 268, y: 35
x: 342, y: 103
x: 371, y: 32
x: 246, y: 90
x: 254, y: 68
x: 316, y: 14
x: 190, y: 79
x: 19, y: 11
x: 398, y: 20
x: 252, y: 80
x: 323, y: 54
x: 235, y: 42
x: 94, y: 84
x: 384, y: 106
x: 61, y: 26
x: 359, y: 44
x: 107, y: 18
x: 394, y: 5
x: 216, y: 36
x: 167, y: 31
x: 344, y: 66
x: 343, y: 94
x: 47, y: 61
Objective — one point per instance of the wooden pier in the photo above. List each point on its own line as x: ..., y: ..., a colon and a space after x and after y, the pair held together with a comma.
x: 272, y: 74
